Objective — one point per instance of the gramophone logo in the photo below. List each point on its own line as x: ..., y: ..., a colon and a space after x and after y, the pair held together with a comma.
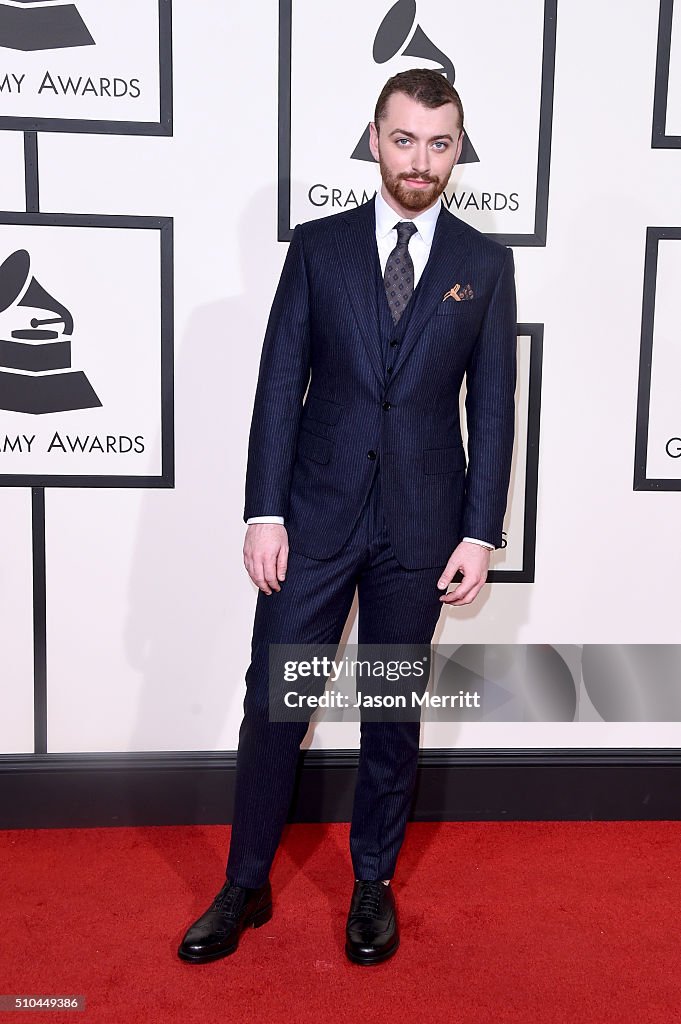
x: 35, y: 361
x: 33, y: 25
x: 399, y: 30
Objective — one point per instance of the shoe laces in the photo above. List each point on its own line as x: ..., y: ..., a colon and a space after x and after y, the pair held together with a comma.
x: 370, y: 899
x: 228, y: 899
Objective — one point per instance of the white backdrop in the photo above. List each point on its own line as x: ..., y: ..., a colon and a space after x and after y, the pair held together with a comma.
x: 149, y: 609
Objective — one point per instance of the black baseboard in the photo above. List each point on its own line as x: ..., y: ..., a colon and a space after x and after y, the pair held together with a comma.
x: 175, y: 788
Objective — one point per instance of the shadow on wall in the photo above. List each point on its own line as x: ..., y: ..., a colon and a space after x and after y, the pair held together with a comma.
x: 187, y: 585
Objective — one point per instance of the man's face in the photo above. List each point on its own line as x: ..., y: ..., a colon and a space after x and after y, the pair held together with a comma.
x: 416, y: 149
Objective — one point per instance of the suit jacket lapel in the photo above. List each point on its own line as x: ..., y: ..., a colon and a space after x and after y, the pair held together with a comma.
x: 358, y: 255
x: 447, y: 252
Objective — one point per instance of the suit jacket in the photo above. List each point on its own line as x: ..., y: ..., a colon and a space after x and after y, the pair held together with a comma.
x: 326, y: 415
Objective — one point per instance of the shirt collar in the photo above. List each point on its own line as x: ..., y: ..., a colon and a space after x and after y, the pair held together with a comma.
x: 425, y: 222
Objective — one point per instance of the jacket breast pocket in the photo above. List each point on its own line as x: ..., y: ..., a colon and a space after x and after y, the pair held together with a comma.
x: 465, y: 307
x: 444, y: 460
x: 311, y: 446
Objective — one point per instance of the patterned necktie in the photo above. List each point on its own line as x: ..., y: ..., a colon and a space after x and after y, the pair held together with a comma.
x: 399, y: 271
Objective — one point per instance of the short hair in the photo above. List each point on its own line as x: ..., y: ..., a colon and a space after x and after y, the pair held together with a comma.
x: 428, y: 87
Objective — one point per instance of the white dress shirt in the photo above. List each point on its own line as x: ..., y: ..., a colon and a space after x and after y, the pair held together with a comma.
x: 419, y: 250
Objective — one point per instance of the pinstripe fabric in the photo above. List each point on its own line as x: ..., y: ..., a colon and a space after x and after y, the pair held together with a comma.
x: 310, y: 463
x: 395, y: 606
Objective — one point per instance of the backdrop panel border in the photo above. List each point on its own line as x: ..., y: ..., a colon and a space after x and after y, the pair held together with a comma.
x: 642, y: 482
x: 660, y: 139
x: 535, y: 332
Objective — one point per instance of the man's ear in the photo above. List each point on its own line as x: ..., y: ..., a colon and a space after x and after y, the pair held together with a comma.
x: 373, y: 140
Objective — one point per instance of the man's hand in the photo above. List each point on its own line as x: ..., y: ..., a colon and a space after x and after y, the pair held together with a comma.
x: 266, y: 555
x: 473, y: 561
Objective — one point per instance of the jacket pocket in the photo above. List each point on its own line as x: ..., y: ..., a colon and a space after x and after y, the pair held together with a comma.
x: 314, y: 447
x: 322, y: 409
x: 444, y: 460
x: 450, y: 307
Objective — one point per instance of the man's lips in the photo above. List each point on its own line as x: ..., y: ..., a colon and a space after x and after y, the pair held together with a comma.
x: 417, y: 182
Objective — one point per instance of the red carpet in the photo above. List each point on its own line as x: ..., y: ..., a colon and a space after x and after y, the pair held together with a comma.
x: 501, y: 922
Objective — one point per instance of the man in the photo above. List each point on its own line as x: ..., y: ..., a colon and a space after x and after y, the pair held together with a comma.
x: 379, y: 313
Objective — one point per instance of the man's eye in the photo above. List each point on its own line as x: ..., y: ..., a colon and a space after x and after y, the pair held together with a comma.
x: 440, y: 145
x: 399, y: 141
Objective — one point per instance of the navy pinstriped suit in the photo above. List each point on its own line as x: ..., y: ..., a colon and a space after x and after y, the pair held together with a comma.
x: 370, y: 476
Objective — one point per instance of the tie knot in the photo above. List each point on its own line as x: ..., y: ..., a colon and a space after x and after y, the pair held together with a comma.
x: 405, y: 229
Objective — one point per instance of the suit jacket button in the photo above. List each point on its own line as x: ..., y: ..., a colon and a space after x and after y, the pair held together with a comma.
x: 390, y: 369
x: 371, y: 454
x: 394, y: 343
x: 386, y: 406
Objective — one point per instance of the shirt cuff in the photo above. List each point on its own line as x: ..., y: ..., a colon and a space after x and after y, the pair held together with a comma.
x: 482, y: 543
x: 265, y: 519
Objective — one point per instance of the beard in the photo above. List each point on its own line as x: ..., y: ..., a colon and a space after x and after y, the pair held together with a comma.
x: 411, y: 198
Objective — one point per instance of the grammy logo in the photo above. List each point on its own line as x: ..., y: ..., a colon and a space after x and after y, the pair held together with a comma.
x: 398, y: 30
x: 33, y: 26
x: 35, y: 361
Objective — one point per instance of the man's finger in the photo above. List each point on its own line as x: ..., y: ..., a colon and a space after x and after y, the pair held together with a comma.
x: 270, y: 570
x: 448, y: 575
x: 466, y: 592
x: 466, y: 585
x: 258, y: 576
x: 467, y: 599
x: 282, y: 562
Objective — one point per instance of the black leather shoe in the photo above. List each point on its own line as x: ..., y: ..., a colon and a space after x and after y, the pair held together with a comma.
x: 216, y: 933
x: 371, y: 934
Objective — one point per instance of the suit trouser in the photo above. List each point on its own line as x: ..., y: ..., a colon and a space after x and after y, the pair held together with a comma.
x: 396, y: 605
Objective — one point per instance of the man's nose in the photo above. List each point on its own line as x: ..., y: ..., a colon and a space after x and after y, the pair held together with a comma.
x: 421, y: 162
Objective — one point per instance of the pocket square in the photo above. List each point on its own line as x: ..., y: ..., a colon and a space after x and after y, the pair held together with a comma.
x: 459, y: 294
